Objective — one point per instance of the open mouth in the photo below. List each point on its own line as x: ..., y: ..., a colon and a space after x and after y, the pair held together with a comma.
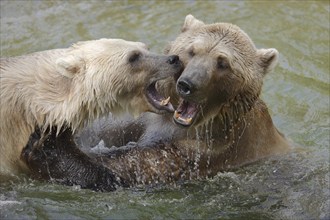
x: 157, y: 100
x: 186, y: 113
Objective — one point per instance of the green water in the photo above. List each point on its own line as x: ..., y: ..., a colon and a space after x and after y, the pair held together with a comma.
x: 293, y: 186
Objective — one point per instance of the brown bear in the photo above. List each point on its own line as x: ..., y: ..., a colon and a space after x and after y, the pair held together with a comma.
x: 70, y: 87
x: 220, y: 121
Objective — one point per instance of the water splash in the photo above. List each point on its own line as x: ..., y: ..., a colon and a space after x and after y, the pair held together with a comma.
x: 197, y: 154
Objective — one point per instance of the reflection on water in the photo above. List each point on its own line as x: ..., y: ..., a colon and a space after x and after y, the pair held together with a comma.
x: 297, y: 93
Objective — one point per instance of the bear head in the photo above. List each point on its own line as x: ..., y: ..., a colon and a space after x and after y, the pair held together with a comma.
x: 117, y: 76
x: 223, y: 72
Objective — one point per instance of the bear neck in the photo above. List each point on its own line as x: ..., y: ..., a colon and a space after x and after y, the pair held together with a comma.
x: 235, y: 110
x: 228, y: 126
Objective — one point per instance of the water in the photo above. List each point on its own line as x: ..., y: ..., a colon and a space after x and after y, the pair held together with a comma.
x: 294, y: 186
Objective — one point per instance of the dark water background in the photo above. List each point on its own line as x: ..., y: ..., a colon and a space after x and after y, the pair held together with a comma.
x: 294, y: 186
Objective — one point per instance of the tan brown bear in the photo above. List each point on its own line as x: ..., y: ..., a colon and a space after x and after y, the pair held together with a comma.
x: 220, y: 121
x: 70, y: 87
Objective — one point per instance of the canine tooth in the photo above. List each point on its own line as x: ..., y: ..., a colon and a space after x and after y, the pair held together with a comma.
x: 165, y: 101
x: 176, y: 115
x: 188, y: 120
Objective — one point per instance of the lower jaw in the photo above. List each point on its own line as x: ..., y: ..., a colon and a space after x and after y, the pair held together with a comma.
x: 181, y: 124
x: 185, y: 122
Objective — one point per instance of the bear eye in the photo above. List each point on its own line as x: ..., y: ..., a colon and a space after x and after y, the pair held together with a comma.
x: 134, y: 57
x: 222, y: 63
x: 191, y: 53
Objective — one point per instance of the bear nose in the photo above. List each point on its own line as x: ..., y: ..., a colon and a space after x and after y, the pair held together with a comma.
x: 184, y: 87
x: 173, y: 59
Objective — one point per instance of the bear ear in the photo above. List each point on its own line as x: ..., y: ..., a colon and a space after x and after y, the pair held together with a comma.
x: 267, y: 59
x: 70, y: 65
x: 191, y: 22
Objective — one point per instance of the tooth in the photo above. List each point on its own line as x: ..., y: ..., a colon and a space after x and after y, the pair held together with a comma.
x: 176, y: 115
x: 165, y: 101
x: 188, y: 120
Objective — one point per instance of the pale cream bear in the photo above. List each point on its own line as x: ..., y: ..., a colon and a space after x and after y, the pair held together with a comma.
x: 70, y: 87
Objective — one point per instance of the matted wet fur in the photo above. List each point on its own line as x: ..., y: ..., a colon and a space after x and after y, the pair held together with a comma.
x: 220, y: 121
x: 54, y: 161
x: 73, y: 86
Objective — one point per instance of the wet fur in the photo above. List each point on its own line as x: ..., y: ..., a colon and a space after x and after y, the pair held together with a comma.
x: 46, y: 154
x: 232, y: 130
x: 71, y: 87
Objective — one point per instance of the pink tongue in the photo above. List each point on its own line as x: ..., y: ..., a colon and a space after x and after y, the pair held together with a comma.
x: 186, y: 112
x: 191, y: 110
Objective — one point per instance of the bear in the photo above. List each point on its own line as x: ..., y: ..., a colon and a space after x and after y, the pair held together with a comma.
x: 220, y: 122
x: 73, y: 86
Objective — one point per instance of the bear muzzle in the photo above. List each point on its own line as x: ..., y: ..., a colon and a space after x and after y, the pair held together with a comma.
x: 159, y: 103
